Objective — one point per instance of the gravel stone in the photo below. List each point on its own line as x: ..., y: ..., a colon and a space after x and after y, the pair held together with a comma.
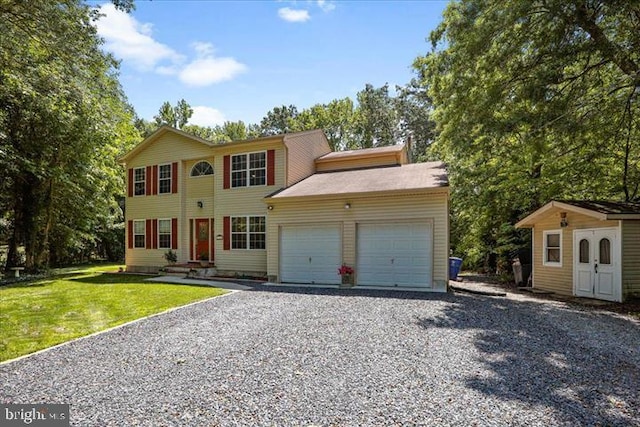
x: 317, y: 357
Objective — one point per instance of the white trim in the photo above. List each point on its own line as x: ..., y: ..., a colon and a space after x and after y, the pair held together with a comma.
x: 170, y: 232
x: 170, y: 178
x: 248, y: 169
x: 545, y: 233
x: 144, y: 182
x: 213, y: 171
x: 247, y: 232
x: 616, y: 254
x: 144, y: 234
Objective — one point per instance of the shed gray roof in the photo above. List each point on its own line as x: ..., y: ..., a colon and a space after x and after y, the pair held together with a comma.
x: 602, y: 210
x: 606, y: 207
x: 415, y: 176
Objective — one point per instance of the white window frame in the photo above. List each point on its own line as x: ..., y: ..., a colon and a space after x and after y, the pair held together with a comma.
x: 191, y: 175
x: 165, y: 179
x: 247, y: 170
x: 143, y: 234
x: 143, y: 181
x: 248, y: 233
x: 169, y: 234
x: 545, y: 262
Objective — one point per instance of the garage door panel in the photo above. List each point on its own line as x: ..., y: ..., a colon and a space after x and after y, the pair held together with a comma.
x: 395, y: 254
x: 310, y: 254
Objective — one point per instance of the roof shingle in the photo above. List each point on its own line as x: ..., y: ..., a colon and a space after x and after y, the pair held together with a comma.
x: 415, y: 176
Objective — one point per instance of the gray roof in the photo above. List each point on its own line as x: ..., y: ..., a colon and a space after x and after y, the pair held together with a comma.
x: 606, y: 207
x: 415, y: 176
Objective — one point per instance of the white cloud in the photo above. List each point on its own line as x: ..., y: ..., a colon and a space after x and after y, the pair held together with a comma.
x: 131, y: 40
x: 207, y: 69
x: 206, y: 116
x: 293, y: 15
x: 326, y: 6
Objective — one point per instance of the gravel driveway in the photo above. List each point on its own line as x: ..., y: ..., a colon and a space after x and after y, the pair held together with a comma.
x: 346, y: 358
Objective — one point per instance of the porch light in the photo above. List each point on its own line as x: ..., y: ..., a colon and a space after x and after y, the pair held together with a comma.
x: 347, y: 205
x: 270, y: 207
x: 563, y: 219
x: 200, y: 203
x: 218, y: 236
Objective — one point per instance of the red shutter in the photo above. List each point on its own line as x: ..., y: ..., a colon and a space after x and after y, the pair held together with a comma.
x: 130, y: 183
x: 154, y: 238
x: 191, y: 239
x: 174, y: 233
x: 174, y: 177
x: 226, y: 241
x: 271, y: 167
x: 154, y: 180
x: 130, y: 234
x: 226, y: 176
x: 149, y: 181
x: 149, y: 233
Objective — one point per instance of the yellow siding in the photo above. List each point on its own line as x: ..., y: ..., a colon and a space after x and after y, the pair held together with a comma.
x: 243, y: 201
x: 170, y: 147
x: 559, y: 279
x: 630, y: 258
x: 302, y: 151
x: 163, y: 206
x: 196, y: 189
x: 354, y: 163
x: 431, y: 206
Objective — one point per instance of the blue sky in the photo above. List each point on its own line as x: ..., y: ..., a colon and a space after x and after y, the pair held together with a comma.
x: 236, y: 60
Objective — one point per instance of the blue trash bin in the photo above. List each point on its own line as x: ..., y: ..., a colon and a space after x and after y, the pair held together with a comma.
x: 454, y: 267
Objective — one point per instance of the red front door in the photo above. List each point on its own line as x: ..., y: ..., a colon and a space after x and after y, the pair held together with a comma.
x: 202, y: 239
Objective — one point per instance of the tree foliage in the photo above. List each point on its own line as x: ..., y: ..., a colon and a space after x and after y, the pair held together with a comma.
x: 175, y: 116
x: 534, y: 100
x: 63, y: 122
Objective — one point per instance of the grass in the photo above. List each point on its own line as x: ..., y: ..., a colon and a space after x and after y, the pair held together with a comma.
x: 75, y: 302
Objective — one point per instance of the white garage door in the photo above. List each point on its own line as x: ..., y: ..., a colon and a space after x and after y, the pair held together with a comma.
x: 310, y: 254
x: 395, y: 254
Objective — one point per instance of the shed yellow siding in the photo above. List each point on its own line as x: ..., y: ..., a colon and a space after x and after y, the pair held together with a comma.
x: 388, y: 159
x: 559, y: 279
x: 425, y: 206
x: 630, y: 258
x: 302, y: 150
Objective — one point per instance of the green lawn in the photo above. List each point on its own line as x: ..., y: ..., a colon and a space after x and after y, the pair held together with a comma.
x: 76, y: 302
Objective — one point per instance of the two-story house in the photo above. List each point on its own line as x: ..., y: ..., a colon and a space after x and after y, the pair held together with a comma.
x: 288, y: 208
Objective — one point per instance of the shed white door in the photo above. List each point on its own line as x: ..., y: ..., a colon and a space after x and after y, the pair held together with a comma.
x: 399, y: 254
x: 310, y: 254
x: 596, y: 269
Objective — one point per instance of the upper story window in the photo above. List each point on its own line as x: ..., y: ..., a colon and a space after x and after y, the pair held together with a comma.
x: 164, y: 179
x: 552, y: 248
x: 201, y: 169
x: 139, y: 180
x: 139, y: 236
x: 249, y: 169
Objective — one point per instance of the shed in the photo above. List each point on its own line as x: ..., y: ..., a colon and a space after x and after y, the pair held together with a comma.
x: 586, y: 248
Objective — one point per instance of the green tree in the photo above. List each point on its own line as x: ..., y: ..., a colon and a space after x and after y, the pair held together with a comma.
x: 63, y: 120
x: 534, y: 100
x: 376, y: 119
x: 175, y: 116
x: 278, y: 121
x: 416, y: 127
x: 335, y: 119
